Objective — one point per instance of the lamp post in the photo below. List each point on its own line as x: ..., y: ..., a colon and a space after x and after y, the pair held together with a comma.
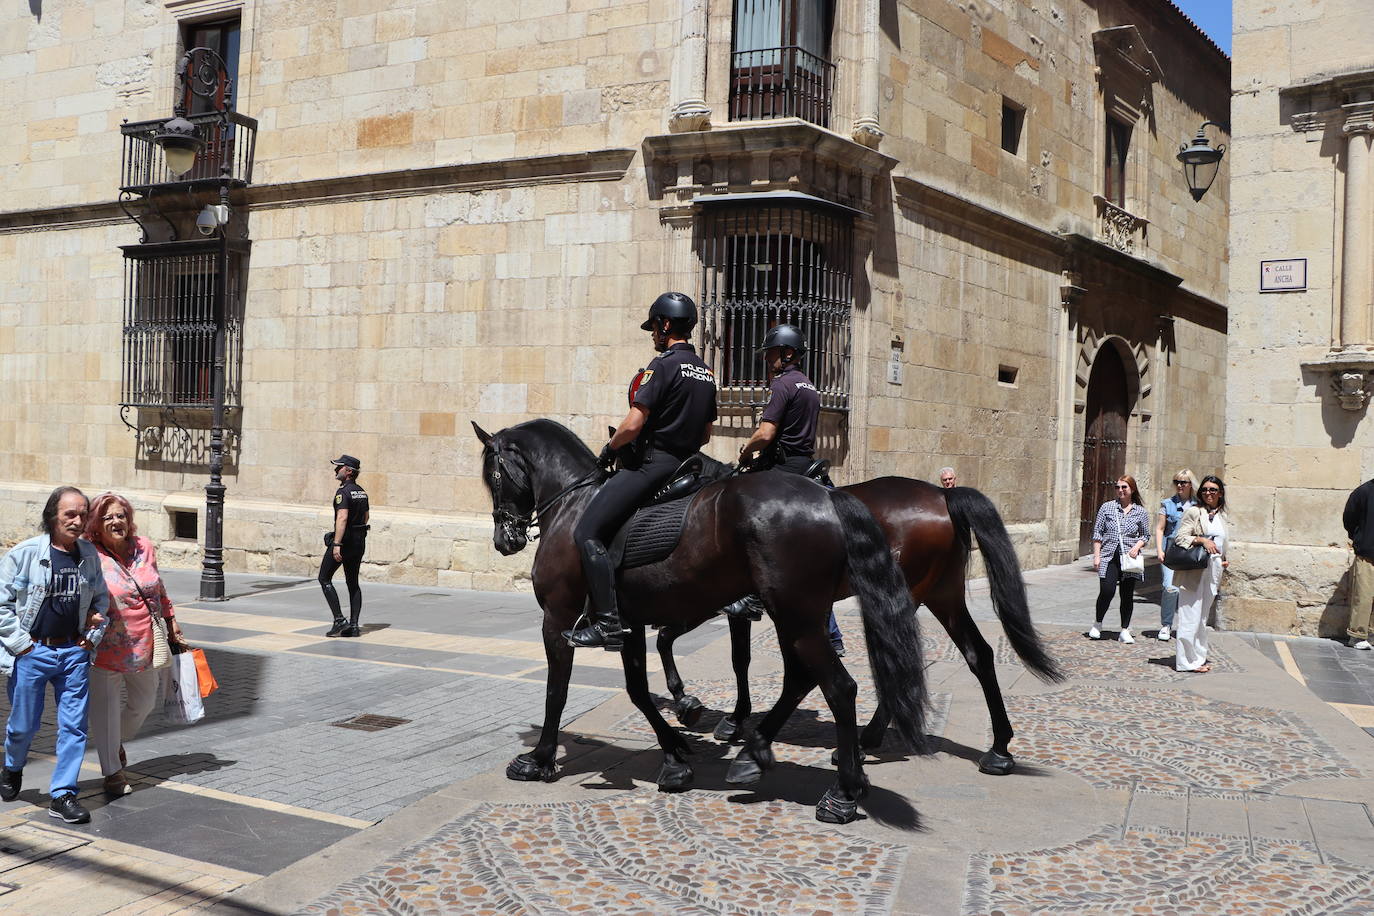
x: 203, y: 73
x: 1201, y: 161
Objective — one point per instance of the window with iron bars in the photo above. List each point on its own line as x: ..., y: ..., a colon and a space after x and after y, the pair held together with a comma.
x: 170, y: 320
x: 769, y: 265
x: 780, y: 60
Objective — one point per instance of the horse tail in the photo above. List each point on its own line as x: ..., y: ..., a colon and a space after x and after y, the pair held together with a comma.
x: 970, y: 510
x: 891, y: 630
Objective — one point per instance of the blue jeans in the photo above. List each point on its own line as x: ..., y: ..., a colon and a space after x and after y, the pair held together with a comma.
x: 67, y: 669
x: 835, y: 636
x: 1167, y: 605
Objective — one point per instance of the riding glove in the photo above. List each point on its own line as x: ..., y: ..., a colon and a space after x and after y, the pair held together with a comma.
x: 606, y: 459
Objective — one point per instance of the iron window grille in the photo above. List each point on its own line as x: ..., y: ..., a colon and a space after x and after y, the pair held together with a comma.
x: 769, y: 265
x: 779, y: 62
x: 169, y: 324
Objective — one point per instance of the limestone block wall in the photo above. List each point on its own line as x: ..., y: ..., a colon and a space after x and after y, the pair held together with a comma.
x: 1292, y: 452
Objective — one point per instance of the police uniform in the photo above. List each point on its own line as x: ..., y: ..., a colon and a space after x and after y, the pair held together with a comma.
x: 351, y: 498
x: 794, y: 405
x: 679, y: 391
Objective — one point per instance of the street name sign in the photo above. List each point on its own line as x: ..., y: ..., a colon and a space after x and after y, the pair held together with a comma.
x: 1282, y: 276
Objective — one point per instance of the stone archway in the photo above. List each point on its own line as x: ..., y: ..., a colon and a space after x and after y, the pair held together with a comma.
x: 1106, y: 413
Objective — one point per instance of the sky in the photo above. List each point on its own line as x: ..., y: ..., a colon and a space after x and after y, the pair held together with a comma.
x: 1212, y: 16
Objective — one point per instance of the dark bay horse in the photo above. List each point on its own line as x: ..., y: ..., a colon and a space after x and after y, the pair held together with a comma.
x: 786, y: 538
x: 928, y: 529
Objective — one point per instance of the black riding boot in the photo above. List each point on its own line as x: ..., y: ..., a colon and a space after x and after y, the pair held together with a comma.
x: 605, y: 629
x: 747, y: 608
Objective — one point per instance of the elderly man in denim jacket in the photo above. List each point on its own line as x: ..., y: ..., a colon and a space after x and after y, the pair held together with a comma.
x: 53, y: 610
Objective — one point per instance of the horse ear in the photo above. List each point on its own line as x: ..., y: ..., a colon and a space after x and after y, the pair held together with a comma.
x: 481, y: 433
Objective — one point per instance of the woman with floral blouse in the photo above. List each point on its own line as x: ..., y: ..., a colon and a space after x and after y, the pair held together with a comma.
x: 125, y: 656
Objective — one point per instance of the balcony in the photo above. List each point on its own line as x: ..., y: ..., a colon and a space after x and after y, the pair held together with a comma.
x: 229, y: 139
x: 785, y: 82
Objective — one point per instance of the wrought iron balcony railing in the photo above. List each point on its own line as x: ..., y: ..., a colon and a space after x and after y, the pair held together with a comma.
x: 785, y: 82
x: 229, y: 139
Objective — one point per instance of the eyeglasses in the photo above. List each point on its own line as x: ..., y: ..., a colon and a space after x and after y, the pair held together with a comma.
x: 1209, y: 490
x: 1182, y: 483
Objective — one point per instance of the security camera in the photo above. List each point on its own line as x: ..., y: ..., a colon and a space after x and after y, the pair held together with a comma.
x: 211, y: 218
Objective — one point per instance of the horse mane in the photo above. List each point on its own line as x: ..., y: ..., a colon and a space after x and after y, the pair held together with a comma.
x: 545, y: 428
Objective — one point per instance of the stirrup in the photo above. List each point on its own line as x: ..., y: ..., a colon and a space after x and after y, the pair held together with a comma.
x: 595, y: 636
x: 747, y: 608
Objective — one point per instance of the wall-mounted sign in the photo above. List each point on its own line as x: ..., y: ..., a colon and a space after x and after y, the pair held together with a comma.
x: 894, y: 364
x: 1281, y: 276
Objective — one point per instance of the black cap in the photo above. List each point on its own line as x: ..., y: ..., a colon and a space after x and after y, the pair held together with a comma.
x: 347, y: 461
x: 677, y: 306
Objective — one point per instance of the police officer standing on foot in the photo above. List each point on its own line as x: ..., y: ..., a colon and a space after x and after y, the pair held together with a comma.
x: 786, y: 437
x: 344, y: 546
x: 670, y: 418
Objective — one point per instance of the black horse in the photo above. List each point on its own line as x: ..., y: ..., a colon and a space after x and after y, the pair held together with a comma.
x: 786, y: 538
x: 928, y: 529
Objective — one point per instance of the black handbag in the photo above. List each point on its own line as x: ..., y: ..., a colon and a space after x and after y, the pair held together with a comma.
x: 1180, y: 559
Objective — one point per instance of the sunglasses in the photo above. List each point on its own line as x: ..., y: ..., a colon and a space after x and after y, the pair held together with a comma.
x: 1182, y: 483
x: 1209, y: 490
x: 1122, y: 486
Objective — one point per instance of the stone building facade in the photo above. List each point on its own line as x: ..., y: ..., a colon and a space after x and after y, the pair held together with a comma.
x: 459, y: 212
x: 1301, y: 353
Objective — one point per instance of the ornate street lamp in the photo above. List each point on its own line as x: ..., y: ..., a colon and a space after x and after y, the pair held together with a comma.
x: 1201, y: 161
x: 203, y: 74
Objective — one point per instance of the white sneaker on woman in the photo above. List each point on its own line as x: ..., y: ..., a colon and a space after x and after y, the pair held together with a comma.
x: 1126, y: 636
x: 1094, y: 633
x: 1360, y: 644
x: 1163, y: 634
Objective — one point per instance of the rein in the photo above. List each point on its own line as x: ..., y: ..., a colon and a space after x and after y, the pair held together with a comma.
x: 525, y: 521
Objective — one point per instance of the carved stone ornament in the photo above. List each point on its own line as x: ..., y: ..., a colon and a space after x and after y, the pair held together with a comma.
x: 1117, y: 227
x: 1352, y: 388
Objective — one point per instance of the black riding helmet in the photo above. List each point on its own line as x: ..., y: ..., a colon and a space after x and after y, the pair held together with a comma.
x: 785, y: 335
x: 677, y: 307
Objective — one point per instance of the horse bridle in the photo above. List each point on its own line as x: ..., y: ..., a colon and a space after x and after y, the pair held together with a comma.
x: 512, y: 522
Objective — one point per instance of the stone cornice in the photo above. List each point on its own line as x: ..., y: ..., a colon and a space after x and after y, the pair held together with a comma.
x: 982, y: 219
x: 594, y: 165
x: 1340, y: 98
x: 779, y: 135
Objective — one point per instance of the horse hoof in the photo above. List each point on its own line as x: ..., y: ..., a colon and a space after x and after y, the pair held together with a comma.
x: 744, y: 770
x: 688, y: 711
x: 727, y: 730
x: 527, y: 769
x: 995, y: 764
x: 836, y: 810
x: 674, y: 776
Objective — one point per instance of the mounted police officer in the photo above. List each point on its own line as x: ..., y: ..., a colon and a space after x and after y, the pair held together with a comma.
x: 345, y: 545
x: 672, y: 409
x: 786, y: 436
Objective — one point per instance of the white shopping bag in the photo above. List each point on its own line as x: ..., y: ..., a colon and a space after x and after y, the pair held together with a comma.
x: 181, y: 702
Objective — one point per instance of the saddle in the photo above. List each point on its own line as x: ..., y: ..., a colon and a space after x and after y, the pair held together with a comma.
x: 818, y: 471
x: 653, y: 532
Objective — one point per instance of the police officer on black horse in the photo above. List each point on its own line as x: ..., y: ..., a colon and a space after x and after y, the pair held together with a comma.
x: 786, y: 436
x: 673, y: 406
x: 345, y: 545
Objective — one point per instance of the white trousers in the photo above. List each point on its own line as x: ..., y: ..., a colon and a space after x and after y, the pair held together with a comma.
x: 115, y: 720
x: 1197, y: 589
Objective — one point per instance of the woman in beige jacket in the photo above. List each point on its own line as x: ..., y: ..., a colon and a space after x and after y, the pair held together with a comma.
x: 1204, y: 524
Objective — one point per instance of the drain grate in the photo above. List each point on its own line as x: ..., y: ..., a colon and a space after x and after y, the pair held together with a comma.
x: 370, y: 722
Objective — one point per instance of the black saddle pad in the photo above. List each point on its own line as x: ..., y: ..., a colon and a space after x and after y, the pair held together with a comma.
x: 651, y: 534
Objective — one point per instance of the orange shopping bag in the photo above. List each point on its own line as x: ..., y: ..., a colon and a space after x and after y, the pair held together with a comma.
x: 208, y: 684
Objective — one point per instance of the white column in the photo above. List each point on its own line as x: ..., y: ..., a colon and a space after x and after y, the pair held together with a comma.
x: 1357, y: 251
x: 867, y: 129
x: 690, y: 111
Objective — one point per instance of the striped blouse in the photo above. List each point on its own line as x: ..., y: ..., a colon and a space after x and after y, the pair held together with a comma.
x: 1113, y: 525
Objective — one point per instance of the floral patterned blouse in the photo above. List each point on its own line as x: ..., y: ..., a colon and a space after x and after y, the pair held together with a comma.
x: 128, y: 643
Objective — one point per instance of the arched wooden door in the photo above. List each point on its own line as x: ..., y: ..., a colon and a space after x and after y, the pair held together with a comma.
x: 1104, y: 438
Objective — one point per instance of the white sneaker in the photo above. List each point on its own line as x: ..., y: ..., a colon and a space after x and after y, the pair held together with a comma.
x: 1361, y: 644
x: 1163, y: 634
x: 1094, y: 633
x: 1126, y: 636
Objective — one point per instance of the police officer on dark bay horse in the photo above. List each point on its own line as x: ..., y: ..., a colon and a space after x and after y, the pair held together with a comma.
x: 344, y: 546
x: 786, y: 437
x: 672, y: 409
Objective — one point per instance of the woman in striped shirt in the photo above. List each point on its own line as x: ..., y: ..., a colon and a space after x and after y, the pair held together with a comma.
x: 1122, y: 526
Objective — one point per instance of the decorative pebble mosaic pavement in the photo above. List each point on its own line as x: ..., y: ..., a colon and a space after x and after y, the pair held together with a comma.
x: 636, y: 853
x: 1146, y: 659
x: 1115, y: 737
x: 1165, y: 872
x: 936, y: 646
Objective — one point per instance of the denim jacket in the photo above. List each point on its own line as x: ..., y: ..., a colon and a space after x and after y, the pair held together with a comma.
x: 26, y: 576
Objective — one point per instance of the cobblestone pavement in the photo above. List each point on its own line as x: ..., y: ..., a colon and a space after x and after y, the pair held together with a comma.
x: 1138, y: 789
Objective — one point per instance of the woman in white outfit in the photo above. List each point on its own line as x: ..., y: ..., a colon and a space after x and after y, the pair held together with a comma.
x: 1203, y: 524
